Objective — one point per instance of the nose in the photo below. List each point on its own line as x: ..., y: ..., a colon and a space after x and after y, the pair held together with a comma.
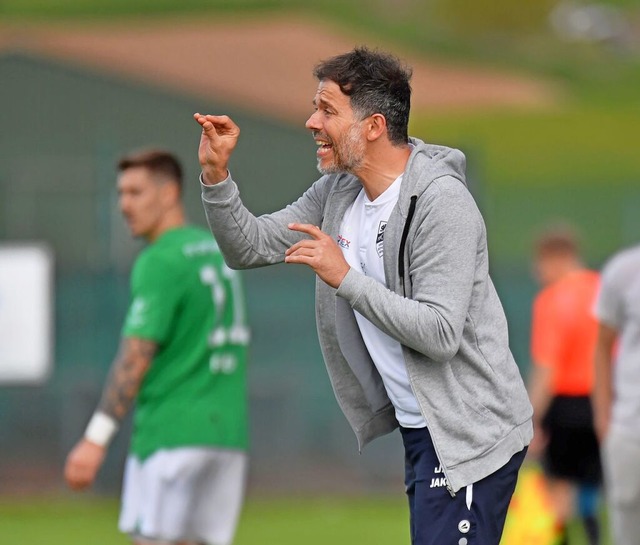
x: 313, y: 123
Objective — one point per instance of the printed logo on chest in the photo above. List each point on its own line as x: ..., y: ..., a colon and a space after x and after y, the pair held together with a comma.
x: 380, y: 238
x: 343, y: 242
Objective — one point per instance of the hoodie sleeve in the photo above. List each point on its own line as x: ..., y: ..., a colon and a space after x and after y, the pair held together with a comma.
x: 444, y: 254
x: 247, y: 241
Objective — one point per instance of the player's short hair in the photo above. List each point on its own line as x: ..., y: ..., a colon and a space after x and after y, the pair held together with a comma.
x: 558, y: 241
x: 375, y: 82
x: 161, y: 163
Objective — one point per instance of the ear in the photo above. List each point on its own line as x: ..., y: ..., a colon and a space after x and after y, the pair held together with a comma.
x: 376, y: 127
x: 170, y: 193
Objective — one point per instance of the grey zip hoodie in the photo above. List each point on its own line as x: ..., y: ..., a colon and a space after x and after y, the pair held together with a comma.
x: 438, y: 302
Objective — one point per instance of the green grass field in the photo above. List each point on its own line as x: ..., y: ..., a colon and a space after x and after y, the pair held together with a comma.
x: 91, y: 520
x: 281, y: 521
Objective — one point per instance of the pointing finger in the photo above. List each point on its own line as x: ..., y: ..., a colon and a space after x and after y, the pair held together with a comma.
x: 311, y: 230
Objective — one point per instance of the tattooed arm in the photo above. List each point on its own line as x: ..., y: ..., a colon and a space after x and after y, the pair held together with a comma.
x: 127, y: 371
x: 123, y: 383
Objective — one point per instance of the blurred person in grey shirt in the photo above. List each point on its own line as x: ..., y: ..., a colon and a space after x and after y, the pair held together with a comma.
x: 617, y: 391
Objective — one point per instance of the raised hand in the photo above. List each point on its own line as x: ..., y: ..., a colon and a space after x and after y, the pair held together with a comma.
x: 320, y: 252
x: 217, y: 142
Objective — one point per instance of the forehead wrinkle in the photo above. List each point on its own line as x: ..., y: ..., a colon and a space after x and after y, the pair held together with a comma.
x: 333, y: 104
x: 329, y: 95
x: 319, y: 100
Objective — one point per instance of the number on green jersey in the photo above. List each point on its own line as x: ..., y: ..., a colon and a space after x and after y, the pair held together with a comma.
x: 236, y: 333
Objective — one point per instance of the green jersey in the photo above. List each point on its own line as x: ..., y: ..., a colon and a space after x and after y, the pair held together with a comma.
x: 191, y: 304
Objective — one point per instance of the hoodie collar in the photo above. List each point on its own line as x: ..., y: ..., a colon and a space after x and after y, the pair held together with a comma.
x: 426, y: 163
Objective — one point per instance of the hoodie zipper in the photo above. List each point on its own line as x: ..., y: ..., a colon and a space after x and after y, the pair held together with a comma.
x: 403, y: 241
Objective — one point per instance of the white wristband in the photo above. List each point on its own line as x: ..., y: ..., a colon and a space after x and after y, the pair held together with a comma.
x: 101, y: 429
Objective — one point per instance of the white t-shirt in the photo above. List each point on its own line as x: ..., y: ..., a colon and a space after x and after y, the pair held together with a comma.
x: 361, y: 239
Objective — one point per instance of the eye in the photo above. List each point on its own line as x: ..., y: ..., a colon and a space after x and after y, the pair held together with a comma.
x: 326, y: 111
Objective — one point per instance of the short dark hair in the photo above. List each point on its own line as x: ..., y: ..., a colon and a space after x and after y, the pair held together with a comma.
x: 376, y: 82
x: 558, y: 241
x: 159, y: 162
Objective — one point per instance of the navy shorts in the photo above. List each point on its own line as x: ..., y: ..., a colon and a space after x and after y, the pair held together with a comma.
x: 474, y: 516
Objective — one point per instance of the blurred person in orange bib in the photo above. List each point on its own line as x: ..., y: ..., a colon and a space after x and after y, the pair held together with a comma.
x: 563, y: 339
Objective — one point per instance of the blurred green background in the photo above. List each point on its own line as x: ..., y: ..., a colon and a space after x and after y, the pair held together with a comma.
x: 64, y: 125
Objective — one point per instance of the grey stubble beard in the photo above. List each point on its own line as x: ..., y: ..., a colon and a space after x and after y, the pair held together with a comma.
x: 348, y: 154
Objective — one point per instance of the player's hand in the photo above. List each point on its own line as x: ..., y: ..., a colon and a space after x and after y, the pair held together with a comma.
x: 83, y: 464
x: 320, y: 252
x: 217, y: 142
x: 538, y: 443
x: 601, y: 425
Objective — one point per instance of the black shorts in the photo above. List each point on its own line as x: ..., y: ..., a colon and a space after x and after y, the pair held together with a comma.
x: 572, y: 452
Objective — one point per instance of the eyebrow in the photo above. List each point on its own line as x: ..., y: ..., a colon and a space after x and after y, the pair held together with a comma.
x: 323, y: 101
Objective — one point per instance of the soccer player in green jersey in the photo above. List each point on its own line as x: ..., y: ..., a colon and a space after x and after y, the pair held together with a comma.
x: 183, y: 362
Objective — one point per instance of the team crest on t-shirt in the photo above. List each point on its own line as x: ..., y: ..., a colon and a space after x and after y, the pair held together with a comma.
x: 380, y: 238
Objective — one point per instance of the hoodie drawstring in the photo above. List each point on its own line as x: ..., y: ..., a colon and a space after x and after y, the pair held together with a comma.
x: 403, y: 240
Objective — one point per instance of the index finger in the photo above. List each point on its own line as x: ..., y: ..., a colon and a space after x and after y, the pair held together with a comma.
x: 200, y: 118
x: 215, y: 119
x: 311, y: 230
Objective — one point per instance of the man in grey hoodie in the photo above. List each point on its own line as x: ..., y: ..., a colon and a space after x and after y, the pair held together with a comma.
x: 411, y: 328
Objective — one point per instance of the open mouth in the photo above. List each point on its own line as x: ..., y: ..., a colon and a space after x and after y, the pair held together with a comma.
x: 324, y: 146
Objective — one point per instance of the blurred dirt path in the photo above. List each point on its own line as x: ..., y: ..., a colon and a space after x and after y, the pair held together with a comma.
x: 260, y: 65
